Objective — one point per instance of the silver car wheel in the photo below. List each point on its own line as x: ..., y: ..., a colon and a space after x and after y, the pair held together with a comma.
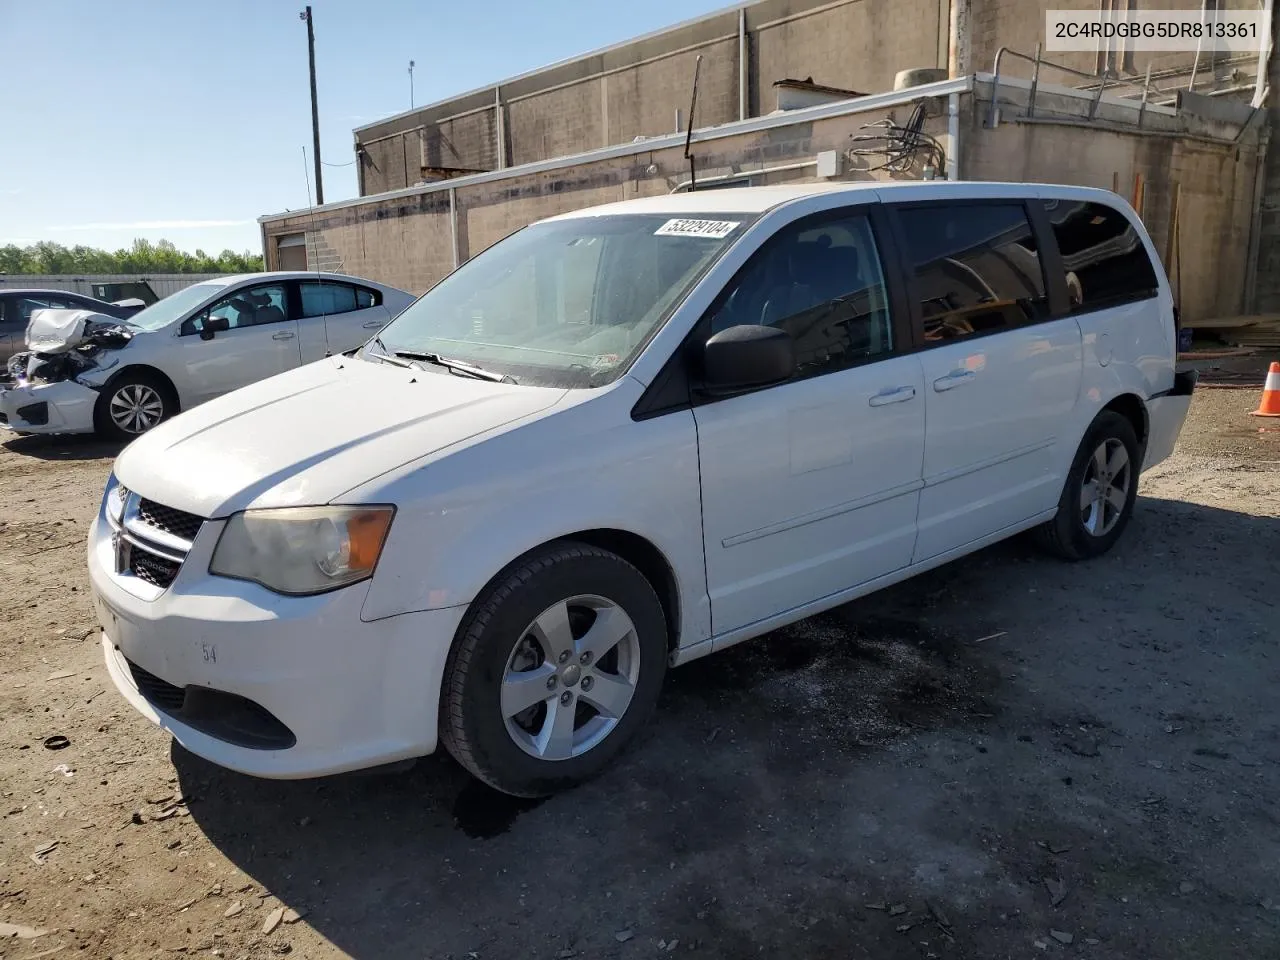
x: 1104, y: 494
x: 136, y: 408
x: 570, y: 677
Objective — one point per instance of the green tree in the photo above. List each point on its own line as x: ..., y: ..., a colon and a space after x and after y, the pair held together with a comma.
x: 15, y: 259
x: 142, y: 257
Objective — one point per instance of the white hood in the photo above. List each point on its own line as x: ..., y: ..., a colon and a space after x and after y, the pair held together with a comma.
x: 307, y: 436
x: 57, y: 331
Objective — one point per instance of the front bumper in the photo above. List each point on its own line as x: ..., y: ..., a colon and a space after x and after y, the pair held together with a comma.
x: 62, y: 407
x: 351, y: 694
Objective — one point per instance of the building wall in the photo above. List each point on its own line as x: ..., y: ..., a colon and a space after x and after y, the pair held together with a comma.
x: 643, y: 101
x: 408, y: 242
x: 636, y: 89
x: 1020, y: 25
x: 856, y: 46
x: 556, y: 123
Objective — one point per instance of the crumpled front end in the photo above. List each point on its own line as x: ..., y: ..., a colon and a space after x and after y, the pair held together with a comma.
x: 51, y: 332
x: 46, y: 392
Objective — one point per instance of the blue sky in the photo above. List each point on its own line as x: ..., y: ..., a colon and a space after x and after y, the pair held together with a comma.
x: 186, y: 121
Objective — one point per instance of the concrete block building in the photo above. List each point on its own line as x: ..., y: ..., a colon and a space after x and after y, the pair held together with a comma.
x: 801, y: 89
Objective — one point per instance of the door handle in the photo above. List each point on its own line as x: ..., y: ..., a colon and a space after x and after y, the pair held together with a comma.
x: 953, y: 379
x: 892, y: 395
x: 372, y: 324
x: 284, y: 335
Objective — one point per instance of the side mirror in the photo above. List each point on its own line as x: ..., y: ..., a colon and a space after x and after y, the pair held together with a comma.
x: 747, y: 356
x: 213, y: 325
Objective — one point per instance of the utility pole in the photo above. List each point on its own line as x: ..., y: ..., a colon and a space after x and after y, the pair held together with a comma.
x: 410, y: 84
x: 315, y: 110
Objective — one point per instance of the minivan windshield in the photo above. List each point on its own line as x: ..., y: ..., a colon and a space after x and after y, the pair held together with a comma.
x: 566, y: 303
x: 163, y: 312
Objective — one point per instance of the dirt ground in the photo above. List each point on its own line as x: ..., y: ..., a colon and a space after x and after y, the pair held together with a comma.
x: 1009, y: 757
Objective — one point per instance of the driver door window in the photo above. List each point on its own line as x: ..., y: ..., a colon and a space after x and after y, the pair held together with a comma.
x: 824, y: 285
x: 247, y: 307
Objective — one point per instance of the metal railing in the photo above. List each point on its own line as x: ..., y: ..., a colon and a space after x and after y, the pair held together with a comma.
x: 993, y: 115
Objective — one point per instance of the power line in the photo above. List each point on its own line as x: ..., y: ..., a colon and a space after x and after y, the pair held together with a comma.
x: 328, y: 164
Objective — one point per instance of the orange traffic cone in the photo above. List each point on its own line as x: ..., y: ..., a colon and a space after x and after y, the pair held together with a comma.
x: 1270, y: 406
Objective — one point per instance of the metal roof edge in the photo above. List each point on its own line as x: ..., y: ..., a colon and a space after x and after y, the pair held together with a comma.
x: 770, y: 121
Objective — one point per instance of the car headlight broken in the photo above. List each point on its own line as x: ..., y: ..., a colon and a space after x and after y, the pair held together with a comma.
x: 302, y: 550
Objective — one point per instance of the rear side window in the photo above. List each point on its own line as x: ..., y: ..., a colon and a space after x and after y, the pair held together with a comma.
x: 366, y: 298
x: 1102, y: 254
x: 976, y: 268
x: 327, y: 299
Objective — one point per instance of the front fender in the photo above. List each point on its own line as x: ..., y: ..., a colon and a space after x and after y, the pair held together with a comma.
x: 464, y: 517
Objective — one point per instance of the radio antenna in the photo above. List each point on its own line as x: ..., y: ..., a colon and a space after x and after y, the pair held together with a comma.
x: 688, y: 137
x: 311, y: 209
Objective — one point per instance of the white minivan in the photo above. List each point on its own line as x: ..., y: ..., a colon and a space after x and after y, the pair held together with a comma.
x: 621, y: 439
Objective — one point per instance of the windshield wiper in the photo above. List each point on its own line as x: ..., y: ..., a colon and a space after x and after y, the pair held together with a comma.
x: 456, y: 366
x: 386, y: 357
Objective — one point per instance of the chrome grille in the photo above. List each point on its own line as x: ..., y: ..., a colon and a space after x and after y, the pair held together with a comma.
x: 152, y: 540
x: 177, y: 522
x: 158, y: 571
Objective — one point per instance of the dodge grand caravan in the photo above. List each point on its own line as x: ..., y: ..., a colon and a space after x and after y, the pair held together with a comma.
x: 621, y: 439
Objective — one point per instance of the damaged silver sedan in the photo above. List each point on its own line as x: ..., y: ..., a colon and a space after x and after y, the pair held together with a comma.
x: 62, y: 345
x: 84, y: 372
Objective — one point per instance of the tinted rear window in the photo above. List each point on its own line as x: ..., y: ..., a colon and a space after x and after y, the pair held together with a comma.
x: 1102, y: 254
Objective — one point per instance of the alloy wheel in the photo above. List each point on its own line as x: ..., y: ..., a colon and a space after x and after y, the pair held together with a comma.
x: 1104, y: 494
x: 570, y: 677
x: 136, y: 407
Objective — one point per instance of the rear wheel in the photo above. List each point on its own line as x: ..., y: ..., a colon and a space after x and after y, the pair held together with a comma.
x: 555, y: 669
x: 132, y: 405
x: 1097, y: 500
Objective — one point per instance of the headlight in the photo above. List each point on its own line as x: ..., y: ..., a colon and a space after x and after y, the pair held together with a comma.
x: 302, y: 550
x: 113, y: 499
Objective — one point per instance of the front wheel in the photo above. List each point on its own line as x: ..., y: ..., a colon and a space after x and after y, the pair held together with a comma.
x: 555, y: 669
x: 132, y: 405
x: 1097, y: 500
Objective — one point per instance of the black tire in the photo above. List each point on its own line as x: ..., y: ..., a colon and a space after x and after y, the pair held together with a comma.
x: 472, y: 726
x: 127, y: 385
x: 1067, y: 536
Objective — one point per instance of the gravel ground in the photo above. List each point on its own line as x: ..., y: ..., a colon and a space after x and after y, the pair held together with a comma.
x: 1008, y: 757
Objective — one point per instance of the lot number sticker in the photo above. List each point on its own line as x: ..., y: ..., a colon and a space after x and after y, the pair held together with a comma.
x: 711, y: 229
